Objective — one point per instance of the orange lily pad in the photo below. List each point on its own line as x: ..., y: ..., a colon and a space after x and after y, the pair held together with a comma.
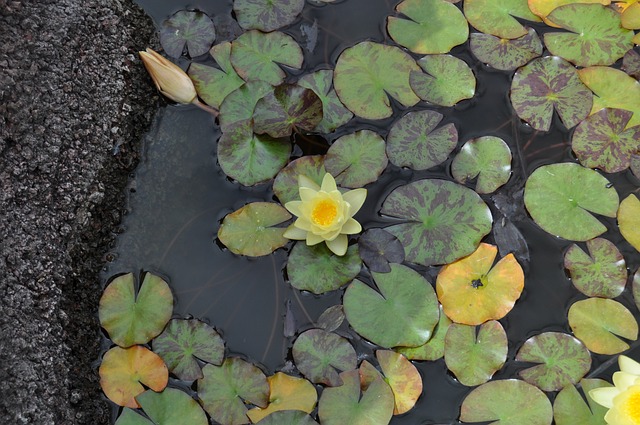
x: 286, y: 393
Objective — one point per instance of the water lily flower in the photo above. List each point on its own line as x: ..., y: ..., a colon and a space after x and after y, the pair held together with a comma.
x: 169, y: 78
x: 623, y: 399
x: 324, y: 214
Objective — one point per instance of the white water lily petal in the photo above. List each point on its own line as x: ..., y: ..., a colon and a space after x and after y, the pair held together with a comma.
x: 339, y: 245
x: 313, y: 239
x: 604, y: 396
x: 304, y: 181
x: 355, y: 198
x: 351, y: 227
x: 623, y: 380
x: 306, y: 194
x: 629, y: 365
x: 293, y: 207
x: 294, y: 233
x: 328, y: 183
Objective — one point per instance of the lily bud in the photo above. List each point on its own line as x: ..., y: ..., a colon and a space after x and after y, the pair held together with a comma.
x: 169, y: 78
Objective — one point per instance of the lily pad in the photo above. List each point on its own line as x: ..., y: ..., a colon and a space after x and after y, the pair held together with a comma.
x: 286, y: 393
x: 185, y: 341
x: 597, y: 321
x: 132, y: 318
x: 331, y: 318
x: 549, y: 83
x: 631, y: 63
x: 629, y: 220
x: 447, y: 81
x: 318, y: 270
x: 288, y: 417
x: 368, y: 73
x: 224, y: 390
x: 415, y: 142
x: 475, y: 358
x: 543, y: 8
x: 635, y: 287
x: 191, y: 28
x: 124, y: 370
x: 507, y: 402
x: 286, y: 186
x: 238, y: 106
x: 601, y: 273
x: 356, y: 159
x: 320, y: 355
x: 251, y: 230
x: 498, y: 17
x: 432, y: 349
x: 631, y: 15
x: 510, y: 240
x: 266, y: 15
x: 433, y: 26
x: 403, y: 378
x: 503, y: 53
x: 172, y: 407
x: 334, y: 113
x: 563, y: 359
x: 472, y: 290
x: 561, y: 198
x: 404, y: 312
x: 378, y: 248
x: 488, y: 158
x: 569, y: 407
x: 443, y: 221
x: 130, y: 417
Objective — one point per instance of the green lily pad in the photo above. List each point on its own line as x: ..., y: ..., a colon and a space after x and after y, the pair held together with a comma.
x: 172, y: 407
x: 488, y: 158
x: 403, y: 378
x: 356, y: 159
x: 320, y: 355
x: 433, y: 26
x: 331, y: 318
x: 378, y: 248
x: 498, y: 17
x: 286, y: 393
x: 334, y: 113
x: 631, y: 63
x: 475, y: 358
x: 503, y: 53
x: 250, y: 230
x: 397, y: 315
x: 549, y: 83
x: 285, y: 185
x: 368, y: 73
x: 595, y: 35
x: 432, y: 349
x: 597, y: 321
x: 601, y: 273
x: 251, y: 158
x: 447, y: 81
x: 266, y: 15
x: 629, y: 220
x: 256, y: 55
x: 130, y: 417
x: 415, y: 142
x: 224, y: 390
x: 288, y: 417
x: 569, y: 407
x: 132, y: 318
x: 563, y: 359
x: 318, y: 270
x: 185, y: 341
x: 347, y: 405
x: 561, y: 198
x: 238, y: 106
x: 543, y: 8
x: 443, y: 221
x: 191, y: 28
x: 507, y: 402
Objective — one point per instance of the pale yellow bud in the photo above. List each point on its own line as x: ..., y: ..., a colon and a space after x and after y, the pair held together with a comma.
x: 169, y: 78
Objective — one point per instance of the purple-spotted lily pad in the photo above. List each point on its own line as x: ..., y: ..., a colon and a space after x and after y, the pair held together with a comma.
x: 288, y: 417
x: 562, y: 197
x: 569, y: 407
x: 331, y: 318
x: 563, y: 359
x: 185, y: 341
x: 172, y: 406
x: 130, y: 417
x: 356, y: 159
x: 635, y: 288
x: 415, y: 142
x: 238, y: 106
x: 447, y: 81
x: 549, y: 83
x: 368, y: 73
x: 334, y: 113
x: 498, y: 17
x: 285, y: 186
x: 601, y: 273
x: 503, y: 53
x: 443, y: 221
x: 286, y: 393
x: 321, y: 355
x: 474, y: 358
x: 251, y: 230
x: 433, y: 26
x: 404, y: 312
x: 488, y: 158
x: 191, y: 28
x: 432, y: 349
x: 631, y: 63
x: 266, y: 15
x: 629, y: 220
x: 378, y: 248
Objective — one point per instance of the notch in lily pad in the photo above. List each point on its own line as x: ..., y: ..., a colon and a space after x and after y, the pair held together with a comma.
x: 447, y: 81
x: 193, y: 29
x: 357, y: 159
x: 379, y: 248
x: 505, y: 54
x: 486, y: 158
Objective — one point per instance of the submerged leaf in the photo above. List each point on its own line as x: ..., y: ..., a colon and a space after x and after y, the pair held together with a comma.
x: 286, y: 393
x: 629, y: 220
x: 266, y: 15
x: 191, y: 28
x: 503, y: 53
x: 331, y: 318
x: 378, y: 248
x: 322, y: 355
x: 447, y: 81
x: 356, y: 159
x: 488, y: 158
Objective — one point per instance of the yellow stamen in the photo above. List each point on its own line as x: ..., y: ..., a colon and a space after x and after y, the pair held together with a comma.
x: 324, y: 212
x: 633, y: 407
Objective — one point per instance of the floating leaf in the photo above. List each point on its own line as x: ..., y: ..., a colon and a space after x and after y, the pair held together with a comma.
x: 432, y: 349
x: 191, y: 28
x: 543, y: 8
x: 443, y: 220
x: 434, y: 26
x: 629, y: 220
x: 488, y: 158
x: 250, y: 230
x: 631, y: 16
x: 564, y: 360
x: 569, y: 407
x: 631, y: 63
x: 124, y: 370
x: 403, y: 378
x: 172, y: 407
x: 318, y: 270
x: 266, y: 15
x: 601, y: 273
x: 545, y: 84
x: 331, y: 318
x: 472, y: 291
x: 507, y: 402
x: 415, y: 142
x: 224, y: 389
x: 286, y: 186
x: 597, y: 321
x: 356, y: 159
x: 403, y: 313
x: 238, y: 106
x: 132, y: 318
x: 185, y: 340
x: 334, y: 113
x: 378, y: 248
x: 213, y: 84
x: 498, y: 17
x: 447, y: 81
x: 368, y: 73
x: 320, y: 355
x: 561, y: 198
x: 503, y: 53
x: 286, y: 393
x: 130, y: 417
x: 510, y: 240
x: 288, y: 417
x: 635, y: 287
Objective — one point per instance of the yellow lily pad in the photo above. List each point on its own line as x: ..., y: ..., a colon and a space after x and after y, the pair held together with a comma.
x: 286, y: 393
x: 403, y: 378
x: 629, y: 220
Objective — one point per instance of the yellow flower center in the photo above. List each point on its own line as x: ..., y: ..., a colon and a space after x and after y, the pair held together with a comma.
x: 633, y: 407
x: 324, y: 212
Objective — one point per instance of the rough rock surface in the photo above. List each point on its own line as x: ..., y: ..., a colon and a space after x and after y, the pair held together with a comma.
x: 74, y: 102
